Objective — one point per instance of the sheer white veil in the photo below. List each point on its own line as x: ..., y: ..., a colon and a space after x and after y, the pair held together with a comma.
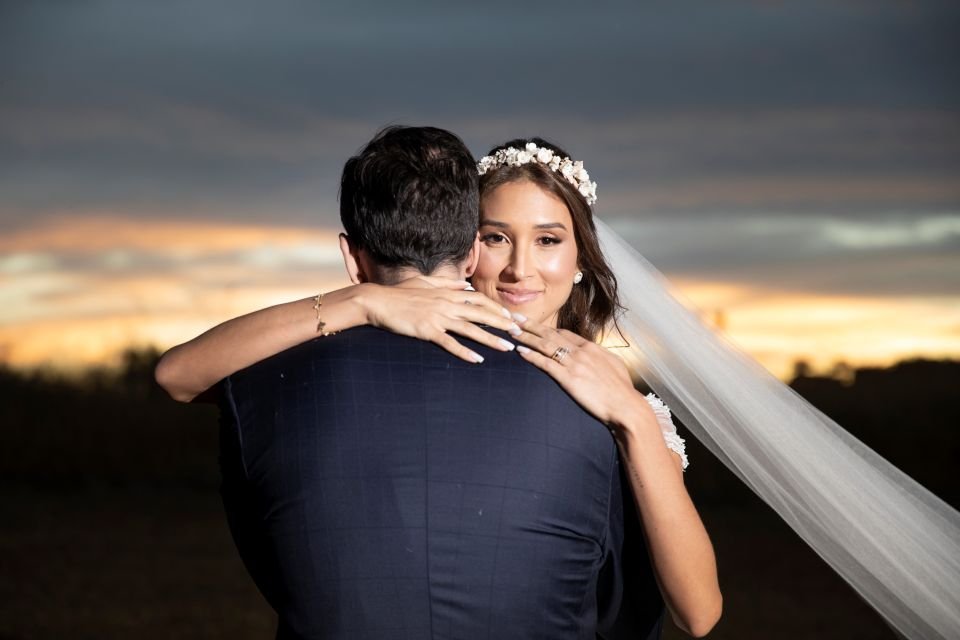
x: 896, y: 543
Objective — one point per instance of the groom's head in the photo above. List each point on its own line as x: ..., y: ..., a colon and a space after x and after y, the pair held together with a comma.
x: 409, y: 204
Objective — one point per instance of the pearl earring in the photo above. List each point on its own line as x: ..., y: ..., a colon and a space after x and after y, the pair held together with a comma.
x: 578, y: 277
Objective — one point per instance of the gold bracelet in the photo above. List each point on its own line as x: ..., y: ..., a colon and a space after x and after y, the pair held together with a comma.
x: 317, y: 301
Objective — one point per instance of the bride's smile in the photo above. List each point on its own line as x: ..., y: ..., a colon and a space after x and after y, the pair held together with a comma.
x: 517, y: 296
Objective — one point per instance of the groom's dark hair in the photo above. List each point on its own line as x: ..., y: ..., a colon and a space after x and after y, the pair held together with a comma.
x: 409, y: 198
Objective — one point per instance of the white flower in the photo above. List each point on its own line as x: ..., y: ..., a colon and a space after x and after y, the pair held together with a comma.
x: 589, y: 191
x: 486, y: 163
x: 532, y: 147
x: 545, y: 156
x: 524, y: 157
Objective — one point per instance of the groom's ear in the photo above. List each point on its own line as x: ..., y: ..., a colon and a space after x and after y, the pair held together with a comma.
x: 473, y: 258
x: 351, y: 260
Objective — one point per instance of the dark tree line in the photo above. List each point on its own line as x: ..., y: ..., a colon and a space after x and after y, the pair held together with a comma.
x: 115, y: 427
x: 105, y: 427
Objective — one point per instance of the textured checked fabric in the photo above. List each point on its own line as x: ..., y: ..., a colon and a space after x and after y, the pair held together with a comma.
x: 379, y: 488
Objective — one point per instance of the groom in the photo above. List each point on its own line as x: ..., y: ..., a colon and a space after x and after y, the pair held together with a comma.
x: 378, y: 487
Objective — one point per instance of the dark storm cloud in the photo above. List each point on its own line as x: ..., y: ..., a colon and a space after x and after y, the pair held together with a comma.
x: 183, y: 82
x: 688, y: 113
x: 429, y: 57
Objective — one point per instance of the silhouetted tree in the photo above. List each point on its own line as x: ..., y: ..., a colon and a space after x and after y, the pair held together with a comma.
x: 801, y: 369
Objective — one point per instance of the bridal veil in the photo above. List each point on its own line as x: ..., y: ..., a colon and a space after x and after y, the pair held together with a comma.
x: 895, y: 542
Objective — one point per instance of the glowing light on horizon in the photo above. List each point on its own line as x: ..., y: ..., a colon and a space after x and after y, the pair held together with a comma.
x: 77, y: 292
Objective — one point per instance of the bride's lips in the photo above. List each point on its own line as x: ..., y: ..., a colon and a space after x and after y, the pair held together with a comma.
x: 518, y: 296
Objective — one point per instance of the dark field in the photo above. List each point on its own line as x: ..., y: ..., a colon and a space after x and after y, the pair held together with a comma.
x: 111, y: 526
x: 149, y: 564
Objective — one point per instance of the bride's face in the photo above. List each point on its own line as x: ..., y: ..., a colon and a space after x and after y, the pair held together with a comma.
x: 528, y: 256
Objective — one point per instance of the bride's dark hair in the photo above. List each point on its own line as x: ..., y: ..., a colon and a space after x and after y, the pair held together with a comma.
x: 593, y: 304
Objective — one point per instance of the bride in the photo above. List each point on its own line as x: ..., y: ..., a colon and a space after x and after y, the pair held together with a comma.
x: 893, y: 541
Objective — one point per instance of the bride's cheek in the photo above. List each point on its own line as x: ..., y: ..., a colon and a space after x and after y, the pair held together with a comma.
x: 488, y: 268
x: 560, y: 266
x: 484, y: 280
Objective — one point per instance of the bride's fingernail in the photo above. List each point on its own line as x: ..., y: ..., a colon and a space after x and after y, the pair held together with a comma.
x: 514, y: 330
x: 519, y: 317
x: 476, y: 357
x: 509, y: 346
x: 505, y: 312
x: 469, y: 287
x: 522, y: 349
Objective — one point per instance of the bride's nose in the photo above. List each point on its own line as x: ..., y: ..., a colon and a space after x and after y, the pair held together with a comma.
x: 519, y: 263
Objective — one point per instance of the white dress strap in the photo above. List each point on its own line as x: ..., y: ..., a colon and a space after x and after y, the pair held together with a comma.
x: 670, y: 436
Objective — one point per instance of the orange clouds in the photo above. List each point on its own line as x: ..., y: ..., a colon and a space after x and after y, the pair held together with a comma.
x: 98, y: 233
x: 77, y: 292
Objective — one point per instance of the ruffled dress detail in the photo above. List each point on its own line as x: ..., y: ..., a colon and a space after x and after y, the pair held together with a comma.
x: 670, y: 436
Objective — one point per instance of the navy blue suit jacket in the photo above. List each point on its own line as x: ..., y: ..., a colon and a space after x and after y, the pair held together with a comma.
x: 378, y: 487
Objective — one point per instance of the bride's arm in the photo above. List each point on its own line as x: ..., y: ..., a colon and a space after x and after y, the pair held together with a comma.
x: 423, y: 307
x: 680, y: 549
x: 189, y: 369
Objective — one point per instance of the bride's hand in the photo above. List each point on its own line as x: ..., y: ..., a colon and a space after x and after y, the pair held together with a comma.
x: 593, y: 376
x: 430, y: 308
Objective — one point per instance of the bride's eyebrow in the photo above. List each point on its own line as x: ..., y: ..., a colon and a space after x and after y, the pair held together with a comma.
x: 550, y: 225
x: 486, y: 222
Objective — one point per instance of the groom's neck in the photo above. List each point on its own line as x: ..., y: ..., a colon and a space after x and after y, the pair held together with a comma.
x: 395, y: 275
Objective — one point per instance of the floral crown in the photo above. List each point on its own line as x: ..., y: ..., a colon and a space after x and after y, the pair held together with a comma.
x: 572, y: 171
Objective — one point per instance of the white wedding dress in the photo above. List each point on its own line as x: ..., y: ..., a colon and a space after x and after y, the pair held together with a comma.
x: 896, y: 543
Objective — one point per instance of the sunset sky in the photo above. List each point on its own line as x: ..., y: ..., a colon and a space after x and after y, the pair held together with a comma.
x: 791, y: 166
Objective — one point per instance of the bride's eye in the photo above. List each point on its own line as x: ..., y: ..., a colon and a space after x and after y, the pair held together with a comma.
x: 493, y: 238
x: 549, y: 240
